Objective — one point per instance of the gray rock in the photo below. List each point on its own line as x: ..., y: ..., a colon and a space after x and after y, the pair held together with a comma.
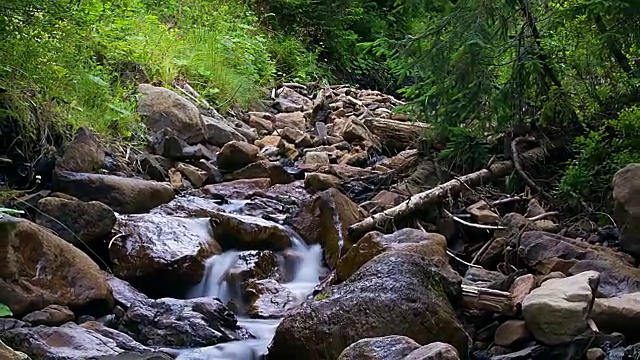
x: 220, y: 132
x: 52, y: 315
x: 434, y: 351
x: 392, y: 347
x: 626, y: 194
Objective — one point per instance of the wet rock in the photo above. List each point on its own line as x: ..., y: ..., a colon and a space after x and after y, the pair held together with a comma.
x: 78, y: 222
x: 321, y: 182
x: 618, y: 314
x: 255, y: 265
x: 123, y: 195
x: 7, y: 353
x: 83, y: 154
x: 196, y: 176
x: 434, y: 351
x: 128, y: 355
x: 557, y: 311
x: 169, y: 249
x: 392, y: 347
x: 430, y: 245
x: 220, y: 132
x: 325, y: 220
x: 626, y: 194
x: 236, y: 155
x: 374, y: 302
x: 162, y: 108
x: 181, y: 323
x: 294, y: 120
x: 52, y: 315
x: 482, y: 213
x: 249, y: 233
x: 268, y: 299
x: 258, y: 170
x: 238, y: 189
x: 188, y: 206
x: 511, y: 332
x: 291, y: 193
x: 123, y: 292
x: 68, y: 342
x: 35, y: 265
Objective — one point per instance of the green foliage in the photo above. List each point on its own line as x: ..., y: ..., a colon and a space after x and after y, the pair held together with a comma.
x: 466, y: 151
x: 5, y: 310
x: 10, y: 211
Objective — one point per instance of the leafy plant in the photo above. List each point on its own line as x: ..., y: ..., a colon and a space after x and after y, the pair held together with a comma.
x: 5, y: 310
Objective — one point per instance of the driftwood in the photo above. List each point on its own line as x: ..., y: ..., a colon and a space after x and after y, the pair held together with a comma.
x: 481, y: 299
x: 438, y: 193
x: 396, y: 135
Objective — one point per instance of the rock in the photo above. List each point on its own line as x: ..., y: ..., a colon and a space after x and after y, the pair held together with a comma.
x: 434, y: 351
x: 482, y: 213
x: 289, y: 101
x: 249, y: 233
x: 243, y: 129
x: 321, y: 182
x: 557, y: 311
x: 83, y: 154
x: 618, y: 314
x: 626, y: 213
x: 196, y: 176
x: 161, y: 108
x: 355, y: 130
x: 155, y: 166
x: 430, y: 245
x: 535, y: 352
x: 128, y: 355
x: 35, y: 265
x: 294, y: 120
x: 238, y: 189
x: 181, y: 323
x: 158, y: 249
x: 494, y: 254
x: 188, y: 206
x: 596, y: 354
x: 6, y: 353
x: 392, y: 347
x: 79, y: 223
x: 52, y: 315
x: 374, y: 302
x: 268, y: 299
x: 123, y: 292
x: 219, y: 131
x: 236, y: 155
x: 275, y: 171
x: 69, y: 341
x: 255, y: 265
x: 260, y: 123
x: 214, y: 175
x: 292, y: 135
x: 123, y: 195
x: 511, y: 332
x: 521, y: 287
x: 384, y: 200
x: 269, y: 141
x: 315, y: 160
x: 325, y: 221
x: 7, y: 324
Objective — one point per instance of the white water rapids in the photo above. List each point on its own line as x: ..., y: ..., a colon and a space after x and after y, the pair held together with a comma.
x: 306, y: 275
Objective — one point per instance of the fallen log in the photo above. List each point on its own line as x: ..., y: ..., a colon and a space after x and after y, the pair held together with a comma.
x: 440, y: 192
x: 481, y: 299
x: 396, y: 135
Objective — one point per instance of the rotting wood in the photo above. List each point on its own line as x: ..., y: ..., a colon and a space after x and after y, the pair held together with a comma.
x: 438, y: 193
x: 396, y: 135
x: 482, y: 299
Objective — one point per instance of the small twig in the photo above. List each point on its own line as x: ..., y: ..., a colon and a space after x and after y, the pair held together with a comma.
x: 543, y: 216
x: 478, y: 226
x: 509, y: 200
x: 483, y: 250
x: 518, y: 166
x: 114, y: 239
x: 450, y: 253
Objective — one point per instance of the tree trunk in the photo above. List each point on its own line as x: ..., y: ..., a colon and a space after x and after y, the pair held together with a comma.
x: 396, y: 135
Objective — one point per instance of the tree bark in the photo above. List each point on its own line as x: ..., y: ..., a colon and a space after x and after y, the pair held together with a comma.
x: 613, y: 47
x: 396, y: 135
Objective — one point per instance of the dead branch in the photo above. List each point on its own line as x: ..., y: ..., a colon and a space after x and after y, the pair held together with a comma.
x: 520, y: 170
x: 543, y: 216
x: 478, y: 226
x: 477, y: 298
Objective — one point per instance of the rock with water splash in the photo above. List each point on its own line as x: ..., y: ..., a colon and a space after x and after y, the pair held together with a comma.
x: 396, y: 293
x: 255, y: 265
x: 181, y: 323
x: 392, y: 347
x: 156, y: 250
x: 268, y: 299
x: 249, y: 233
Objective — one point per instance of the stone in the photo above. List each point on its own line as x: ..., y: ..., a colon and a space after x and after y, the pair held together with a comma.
x: 392, y: 347
x: 596, y: 354
x: 268, y: 299
x: 249, y: 233
x: 123, y: 195
x: 214, y: 175
x: 196, y: 176
x: 35, y: 265
x: 236, y: 155
x: 158, y: 249
x: 255, y: 265
x: 189, y: 206
x: 384, y: 200
x: 315, y: 160
x: 52, y: 315
x: 482, y: 213
x: 7, y: 353
x: 289, y: 100
x: 430, y: 245
x: 396, y: 293
x: 123, y: 292
x: 162, y: 108
x: 434, y: 351
x: 269, y: 141
x: 520, y: 288
x: 275, y: 171
x: 261, y: 124
x: 355, y: 130
x: 325, y: 220
x: 129, y: 355
x: 176, y: 323
x: 321, y: 182
x: 292, y: 135
x: 618, y: 314
x: 83, y: 154
x: 219, y: 131
x: 557, y: 311
x: 495, y: 253
x: 535, y: 352
x: 155, y: 166
x: 356, y: 157
x: 7, y: 324
x: 78, y: 222
x: 238, y: 189
x: 243, y: 129
x: 511, y: 332
x: 294, y: 120
x: 626, y: 213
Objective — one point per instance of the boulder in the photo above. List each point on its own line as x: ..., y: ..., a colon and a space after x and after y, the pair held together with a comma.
x: 219, y: 131
x: 238, y: 189
x: 181, y: 323
x: 123, y: 292
x: 52, y: 315
x: 268, y: 299
x: 511, y: 332
x: 384, y: 200
x: 157, y: 249
x: 355, y: 130
x: 236, y: 155
x: 253, y: 266
x: 619, y: 314
x: 325, y: 220
x: 289, y: 100
x: 35, y: 265
x: 258, y: 170
x: 8, y: 353
x: 557, y: 311
x: 249, y: 233
x: 392, y: 347
x: 396, y: 293
x: 268, y: 141
x: 155, y: 166
x: 196, y: 176
x: 434, y: 351
x: 626, y: 194
x: 83, y: 154
x: 123, y: 195
x: 162, y: 108
x: 260, y: 123
x: 294, y: 120
x: 78, y: 222
x: 188, y: 206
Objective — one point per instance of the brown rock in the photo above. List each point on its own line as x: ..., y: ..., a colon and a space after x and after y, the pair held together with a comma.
x: 315, y: 160
x: 434, y: 351
x: 356, y: 157
x: 626, y: 194
x: 268, y: 299
x: 292, y: 135
x: 511, y: 332
x: 7, y: 353
x: 399, y: 161
x: 52, y: 315
x: 249, y: 233
x: 355, y: 130
x: 260, y: 123
x: 520, y: 288
x: 83, y: 154
x: 596, y: 354
x: 321, y: 182
x: 384, y: 200
x: 295, y: 120
x: 196, y: 176
x: 35, y: 265
x: 482, y: 213
x: 155, y: 166
x: 618, y: 314
x: 494, y: 254
x: 123, y: 292
x: 268, y: 141
x: 275, y: 171
x: 236, y: 155
x: 392, y: 347
x: 123, y: 195
x: 238, y: 189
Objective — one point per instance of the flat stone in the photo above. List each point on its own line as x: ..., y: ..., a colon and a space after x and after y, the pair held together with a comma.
x: 511, y: 332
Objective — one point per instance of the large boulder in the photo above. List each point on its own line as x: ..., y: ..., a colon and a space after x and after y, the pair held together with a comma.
x: 156, y: 249
x: 76, y: 221
x: 162, y: 108
x: 392, y: 347
x: 123, y: 195
x: 220, y: 132
x: 325, y: 220
x: 557, y: 311
x: 181, y: 323
x: 396, y: 293
x: 83, y: 154
x: 8, y: 353
x: 249, y: 233
x: 236, y: 155
x: 619, y: 314
x: 626, y: 194
x: 38, y: 269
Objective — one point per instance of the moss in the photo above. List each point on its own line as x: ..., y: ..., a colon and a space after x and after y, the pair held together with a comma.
x: 322, y: 295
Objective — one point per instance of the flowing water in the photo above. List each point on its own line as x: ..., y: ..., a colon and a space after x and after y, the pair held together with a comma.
x: 306, y: 275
